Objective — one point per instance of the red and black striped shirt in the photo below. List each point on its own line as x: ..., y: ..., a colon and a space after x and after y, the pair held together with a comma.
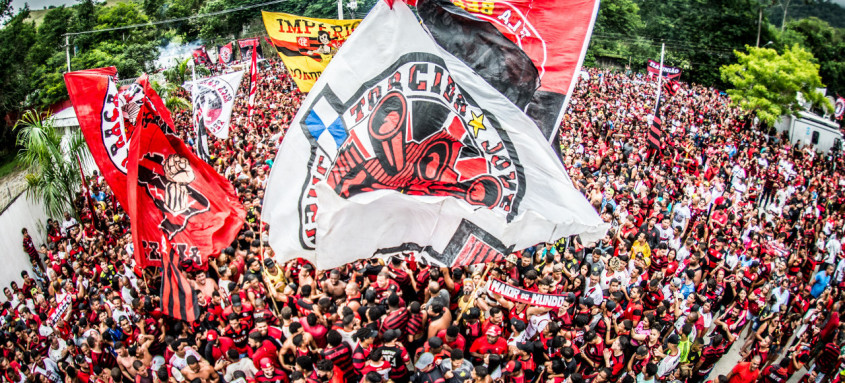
x: 342, y: 358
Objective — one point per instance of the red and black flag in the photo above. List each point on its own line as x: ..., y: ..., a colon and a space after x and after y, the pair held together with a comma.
x: 555, y: 35
x: 201, y: 56
x: 655, y: 131
x: 225, y: 55
x: 248, y: 46
x: 671, y: 87
x: 182, y: 211
x: 501, y: 63
x: 106, y: 118
x: 253, y: 82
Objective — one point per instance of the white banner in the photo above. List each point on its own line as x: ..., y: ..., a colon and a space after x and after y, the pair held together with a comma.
x: 401, y: 146
x: 214, y: 98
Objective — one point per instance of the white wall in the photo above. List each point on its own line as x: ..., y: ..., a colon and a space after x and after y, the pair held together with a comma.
x: 21, y: 213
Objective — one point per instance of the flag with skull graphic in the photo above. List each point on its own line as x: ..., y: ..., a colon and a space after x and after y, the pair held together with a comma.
x: 402, y: 147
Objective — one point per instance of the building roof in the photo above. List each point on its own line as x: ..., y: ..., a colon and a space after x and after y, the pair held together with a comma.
x: 65, y: 118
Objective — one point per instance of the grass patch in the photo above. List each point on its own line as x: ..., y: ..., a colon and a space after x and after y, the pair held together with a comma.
x: 9, y: 164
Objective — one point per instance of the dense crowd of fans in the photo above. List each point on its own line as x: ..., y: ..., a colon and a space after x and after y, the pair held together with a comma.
x: 725, y: 235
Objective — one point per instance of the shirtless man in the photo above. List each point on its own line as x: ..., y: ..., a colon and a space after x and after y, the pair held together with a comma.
x: 334, y: 287
x: 125, y: 361
x: 353, y: 294
x: 439, y: 318
x: 207, y: 286
x: 199, y: 369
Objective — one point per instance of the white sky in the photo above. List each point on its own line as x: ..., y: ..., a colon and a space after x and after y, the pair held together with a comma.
x: 40, y: 4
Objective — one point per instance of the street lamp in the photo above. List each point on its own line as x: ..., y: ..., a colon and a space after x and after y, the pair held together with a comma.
x: 353, y: 6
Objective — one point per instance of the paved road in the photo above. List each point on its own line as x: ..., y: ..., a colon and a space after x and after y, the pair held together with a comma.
x: 732, y: 357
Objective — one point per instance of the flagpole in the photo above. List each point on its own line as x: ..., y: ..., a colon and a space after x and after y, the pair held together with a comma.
x: 198, y: 145
x: 659, y: 77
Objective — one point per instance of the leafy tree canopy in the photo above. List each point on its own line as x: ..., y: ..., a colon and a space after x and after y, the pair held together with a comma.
x: 768, y: 83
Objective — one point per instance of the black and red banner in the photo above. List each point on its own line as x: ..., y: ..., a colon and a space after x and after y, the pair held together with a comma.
x: 201, y: 56
x: 533, y: 298
x: 225, y: 55
x: 501, y: 63
x: 555, y: 34
x: 248, y: 46
x: 653, y: 68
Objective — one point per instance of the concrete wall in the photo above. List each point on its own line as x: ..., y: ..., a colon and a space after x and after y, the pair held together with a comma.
x: 19, y: 214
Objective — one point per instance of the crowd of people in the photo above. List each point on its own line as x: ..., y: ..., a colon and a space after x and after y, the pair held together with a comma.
x: 725, y: 237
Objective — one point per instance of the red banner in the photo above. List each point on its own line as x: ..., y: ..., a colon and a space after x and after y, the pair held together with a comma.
x: 182, y: 211
x: 176, y: 197
x: 253, y: 83
x: 554, y: 33
x: 201, y: 56
x: 106, y: 119
x: 668, y: 71
x: 225, y: 55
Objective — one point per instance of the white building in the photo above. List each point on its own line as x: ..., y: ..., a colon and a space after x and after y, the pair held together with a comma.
x: 809, y: 128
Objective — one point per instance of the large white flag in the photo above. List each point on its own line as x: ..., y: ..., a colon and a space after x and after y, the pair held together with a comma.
x: 400, y: 146
x: 213, y: 99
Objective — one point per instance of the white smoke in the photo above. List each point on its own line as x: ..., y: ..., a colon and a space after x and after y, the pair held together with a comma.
x: 172, y: 53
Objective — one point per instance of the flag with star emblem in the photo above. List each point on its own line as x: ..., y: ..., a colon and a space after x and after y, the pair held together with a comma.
x: 401, y: 147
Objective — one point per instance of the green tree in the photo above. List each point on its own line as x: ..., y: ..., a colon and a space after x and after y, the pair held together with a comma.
x: 53, y: 172
x: 767, y: 83
x: 16, y: 36
x: 827, y: 44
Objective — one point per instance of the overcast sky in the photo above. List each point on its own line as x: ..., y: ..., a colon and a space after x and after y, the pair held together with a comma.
x: 40, y: 4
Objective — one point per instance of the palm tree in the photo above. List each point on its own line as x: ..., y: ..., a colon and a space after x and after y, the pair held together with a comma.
x: 50, y: 159
x: 168, y: 93
x: 175, y: 77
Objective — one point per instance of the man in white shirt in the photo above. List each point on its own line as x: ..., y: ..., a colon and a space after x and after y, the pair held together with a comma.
x: 781, y: 294
x: 738, y: 173
x: 57, y: 350
x: 832, y: 249
x: 237, y: 363
x: 681, y: 215
x: 592, y: 288
x: 179, y: 359
x: 68, y: 223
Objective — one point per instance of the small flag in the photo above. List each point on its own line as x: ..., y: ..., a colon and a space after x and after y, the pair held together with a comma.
x: 671, y: 87
x: 655, y: 131
x: 253, y: 85
x: 225, y: 54
x: 213, y: 99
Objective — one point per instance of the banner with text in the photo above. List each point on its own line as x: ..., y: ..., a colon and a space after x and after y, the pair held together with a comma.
x: 525, y: 296
x: 668, y: 71
x: 306, y: 45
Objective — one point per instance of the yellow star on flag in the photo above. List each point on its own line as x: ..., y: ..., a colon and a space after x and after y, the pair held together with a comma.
x: 477, y: 123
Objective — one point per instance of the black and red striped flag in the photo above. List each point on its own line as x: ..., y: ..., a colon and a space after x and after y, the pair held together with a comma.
x: 671, y: 87
x: 655, y: 131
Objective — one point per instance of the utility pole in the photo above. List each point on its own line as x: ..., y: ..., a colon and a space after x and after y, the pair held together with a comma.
x: 659, y: 78
x: 340, y: 9
x: 759, y: 26
x: 67, y: 51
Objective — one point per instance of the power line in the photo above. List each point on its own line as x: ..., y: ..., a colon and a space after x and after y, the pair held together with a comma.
x: 176, y: 20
